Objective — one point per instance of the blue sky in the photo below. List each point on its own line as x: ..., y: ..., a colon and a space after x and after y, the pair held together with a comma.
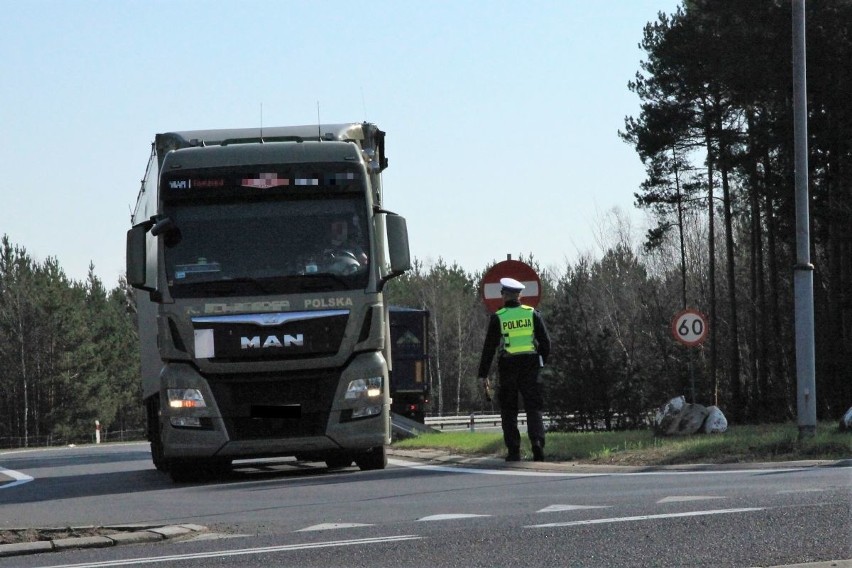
x: 502, y: 117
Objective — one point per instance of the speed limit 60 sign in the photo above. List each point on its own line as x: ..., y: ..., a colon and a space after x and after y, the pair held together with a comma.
x: 689, y: 327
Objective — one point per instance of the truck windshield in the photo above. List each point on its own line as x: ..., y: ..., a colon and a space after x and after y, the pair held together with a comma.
x: 280, y: 245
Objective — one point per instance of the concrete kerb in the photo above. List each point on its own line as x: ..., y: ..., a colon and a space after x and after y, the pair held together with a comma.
x: 124, y: 534
x: 441, y: 457
x: 477, y: 461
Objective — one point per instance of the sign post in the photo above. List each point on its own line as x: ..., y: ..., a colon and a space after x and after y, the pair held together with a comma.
x: 690, y: 328
x: 518, y: 270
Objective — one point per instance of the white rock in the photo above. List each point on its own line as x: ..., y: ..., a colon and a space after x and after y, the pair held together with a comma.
x: 715, y: 423
x: 689, y: 420
x: 668, y: 412
x: 846, y: 421
x: 676, y: 404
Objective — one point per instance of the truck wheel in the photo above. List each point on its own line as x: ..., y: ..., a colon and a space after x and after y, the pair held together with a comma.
x: 374, y: 458
x: 157, y: 456
x: 160, y: 462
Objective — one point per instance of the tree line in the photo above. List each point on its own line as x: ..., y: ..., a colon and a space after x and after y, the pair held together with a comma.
x: 715, y: 134
x: 68, y: 353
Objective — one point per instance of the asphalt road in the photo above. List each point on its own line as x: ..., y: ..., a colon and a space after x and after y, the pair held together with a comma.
x: 433, y: 512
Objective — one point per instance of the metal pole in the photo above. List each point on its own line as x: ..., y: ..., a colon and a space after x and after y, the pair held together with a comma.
x: 683, y: 272
x: 803, y: 277
x: 691, y: 375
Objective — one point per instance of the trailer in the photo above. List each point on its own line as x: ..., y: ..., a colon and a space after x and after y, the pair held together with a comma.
x: 409, y: 385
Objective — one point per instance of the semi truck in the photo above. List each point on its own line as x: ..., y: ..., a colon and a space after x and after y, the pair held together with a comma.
x: 258, y: 259
x: 409, y: 387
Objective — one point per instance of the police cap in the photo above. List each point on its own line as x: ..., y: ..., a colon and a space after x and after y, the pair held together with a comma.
x: 511, y: 285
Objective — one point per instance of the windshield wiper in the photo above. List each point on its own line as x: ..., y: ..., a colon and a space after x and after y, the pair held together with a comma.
x: 246, y: 280
x: 313, y: 282
x: 322, y: 281
x: 222, y: 285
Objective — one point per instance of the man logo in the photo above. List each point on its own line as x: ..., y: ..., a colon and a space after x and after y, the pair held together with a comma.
x: 297, y: 340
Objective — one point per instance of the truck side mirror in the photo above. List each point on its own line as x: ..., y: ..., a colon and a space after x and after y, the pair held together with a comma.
x: 398, y: 250
x: 136, y: 256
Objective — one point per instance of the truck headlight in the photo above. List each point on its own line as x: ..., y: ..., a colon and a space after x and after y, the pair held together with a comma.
x: 364, y: 388
x: 186, y: 398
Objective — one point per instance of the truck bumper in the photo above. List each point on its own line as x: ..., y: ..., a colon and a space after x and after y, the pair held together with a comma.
x: 239, y: 420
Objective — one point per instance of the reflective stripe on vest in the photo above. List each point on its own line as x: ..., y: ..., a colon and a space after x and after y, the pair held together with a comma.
x: 516, y: 327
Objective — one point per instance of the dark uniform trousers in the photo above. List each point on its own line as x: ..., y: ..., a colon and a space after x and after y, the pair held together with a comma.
x: 519, y: 374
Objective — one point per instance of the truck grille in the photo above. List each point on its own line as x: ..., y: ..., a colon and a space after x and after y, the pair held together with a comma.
x: 304, y: 397
x: 290, y: 335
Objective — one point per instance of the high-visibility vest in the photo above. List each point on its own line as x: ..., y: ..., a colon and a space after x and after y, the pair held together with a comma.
x: 517, y: 329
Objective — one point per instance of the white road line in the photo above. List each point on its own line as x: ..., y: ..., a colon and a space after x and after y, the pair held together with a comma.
x: 532, y: 473
x: 240, y: 552
x: 333, y: 526
x: 685, y: 498
x: 103, y: 447
x: 644, y: 518
x: 512, y: 472
x: 557, y: 508
x: 450, y: 517
x: 20, y: 478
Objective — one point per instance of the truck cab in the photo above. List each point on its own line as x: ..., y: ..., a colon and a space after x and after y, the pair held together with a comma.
x: 259, y: 260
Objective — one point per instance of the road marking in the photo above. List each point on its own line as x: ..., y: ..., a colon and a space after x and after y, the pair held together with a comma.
x: 332, y: 526
x: 645, y: 518
x: 684, y: 498
x: 513, y: 472
x: 533, y: 473
x: 557, y: 508
x: 20, y: 478
x: 104, y: 447
x: 450, y: 517
x: 215, y: 536
x: 240, y: 552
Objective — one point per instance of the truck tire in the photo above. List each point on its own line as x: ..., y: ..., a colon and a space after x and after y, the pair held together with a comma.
x: 160, y: 462
x: 154, y: 435
x: 374, y: 458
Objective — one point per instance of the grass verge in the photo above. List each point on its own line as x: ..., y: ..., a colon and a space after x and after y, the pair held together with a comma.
x: 740, y: 444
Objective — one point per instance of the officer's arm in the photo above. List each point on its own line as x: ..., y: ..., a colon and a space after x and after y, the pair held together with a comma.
x: 492, y: 340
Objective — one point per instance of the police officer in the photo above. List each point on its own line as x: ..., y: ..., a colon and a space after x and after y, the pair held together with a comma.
x: 524, y: 344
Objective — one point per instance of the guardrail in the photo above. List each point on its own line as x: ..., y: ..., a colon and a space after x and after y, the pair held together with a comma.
x: 460, y: 422
x: 471, y: 420
x: 19, y: 442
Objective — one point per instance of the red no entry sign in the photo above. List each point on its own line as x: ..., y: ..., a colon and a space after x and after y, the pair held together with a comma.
x: 518, y: 270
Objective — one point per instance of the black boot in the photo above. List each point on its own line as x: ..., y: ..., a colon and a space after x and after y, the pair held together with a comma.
x: 514, y: 455
x: 538, y: 452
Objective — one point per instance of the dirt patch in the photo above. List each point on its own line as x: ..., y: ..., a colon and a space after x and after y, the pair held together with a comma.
x: 663, y: 456
x: 17, y: 536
